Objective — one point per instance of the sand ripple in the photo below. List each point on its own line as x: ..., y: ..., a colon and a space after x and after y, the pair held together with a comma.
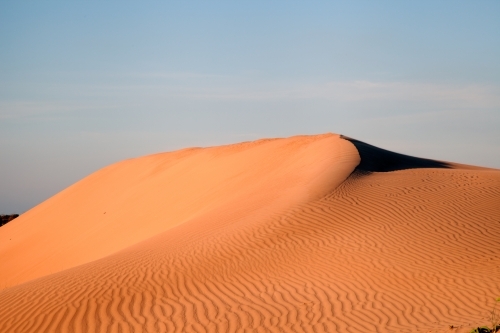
x: 403, y: 251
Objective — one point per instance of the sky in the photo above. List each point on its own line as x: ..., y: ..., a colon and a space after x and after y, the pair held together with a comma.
x: 84, y: 84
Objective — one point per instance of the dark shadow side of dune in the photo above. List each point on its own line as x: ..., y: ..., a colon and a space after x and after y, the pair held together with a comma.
x: 374, y: 159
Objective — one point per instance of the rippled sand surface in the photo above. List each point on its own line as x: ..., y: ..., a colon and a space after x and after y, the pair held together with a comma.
x: 305, y: 234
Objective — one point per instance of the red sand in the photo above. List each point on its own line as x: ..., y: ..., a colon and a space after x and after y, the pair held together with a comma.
x: 277, y: 235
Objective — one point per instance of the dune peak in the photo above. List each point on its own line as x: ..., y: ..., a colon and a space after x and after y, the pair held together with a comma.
x: 303, y: 234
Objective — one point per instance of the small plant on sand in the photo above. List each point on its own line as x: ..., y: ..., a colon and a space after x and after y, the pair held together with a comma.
x: 495, y: 321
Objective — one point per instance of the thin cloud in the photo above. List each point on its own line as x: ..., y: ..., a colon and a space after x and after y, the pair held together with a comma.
x: 338, y: 94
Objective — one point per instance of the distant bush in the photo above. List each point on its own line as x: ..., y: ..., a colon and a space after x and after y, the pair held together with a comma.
x: 494, y: 319
x: 4, y: 219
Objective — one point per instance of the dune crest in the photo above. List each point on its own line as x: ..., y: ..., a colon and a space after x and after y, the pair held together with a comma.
x: 284, y: 235
x: 133, y: 200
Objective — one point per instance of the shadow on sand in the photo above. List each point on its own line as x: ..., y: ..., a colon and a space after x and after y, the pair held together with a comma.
x: 374, y: 159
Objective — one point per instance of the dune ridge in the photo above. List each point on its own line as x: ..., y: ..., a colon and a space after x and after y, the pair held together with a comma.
x: 135, y: 199
x: 369, y: 251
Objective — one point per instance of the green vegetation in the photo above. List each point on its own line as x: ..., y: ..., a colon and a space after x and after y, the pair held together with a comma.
x: 494, y: 319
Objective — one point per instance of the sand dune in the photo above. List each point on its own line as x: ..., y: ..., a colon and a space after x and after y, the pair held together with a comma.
x: 304, y: 234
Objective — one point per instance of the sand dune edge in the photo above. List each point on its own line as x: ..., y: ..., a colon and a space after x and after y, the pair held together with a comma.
x: 358, y: 250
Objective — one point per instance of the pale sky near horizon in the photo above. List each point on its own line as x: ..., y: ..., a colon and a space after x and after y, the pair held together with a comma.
x: 84, y: 84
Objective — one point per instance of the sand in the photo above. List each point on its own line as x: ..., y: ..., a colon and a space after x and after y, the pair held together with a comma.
x: 304, y: 234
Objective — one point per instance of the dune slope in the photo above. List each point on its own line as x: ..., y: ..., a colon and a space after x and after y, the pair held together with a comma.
x: 136, y: 199
x: 329, y: 248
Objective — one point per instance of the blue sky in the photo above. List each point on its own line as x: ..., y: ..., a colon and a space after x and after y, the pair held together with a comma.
x: 85, y: 83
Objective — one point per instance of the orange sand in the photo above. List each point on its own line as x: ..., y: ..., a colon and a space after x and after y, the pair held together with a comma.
x: 279, y: 235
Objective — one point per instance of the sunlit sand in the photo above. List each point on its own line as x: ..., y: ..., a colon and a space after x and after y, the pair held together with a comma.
x: 303, y: 234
